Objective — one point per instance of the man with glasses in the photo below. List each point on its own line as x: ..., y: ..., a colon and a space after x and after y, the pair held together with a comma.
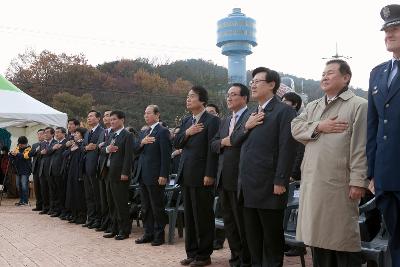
x: 227, y: 176
x: 266, y: 159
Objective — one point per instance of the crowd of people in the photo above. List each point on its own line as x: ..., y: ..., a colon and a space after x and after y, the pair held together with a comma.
x: 340, y: 146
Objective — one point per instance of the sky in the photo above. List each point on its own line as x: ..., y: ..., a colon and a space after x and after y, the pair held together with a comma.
x: 293, y: 36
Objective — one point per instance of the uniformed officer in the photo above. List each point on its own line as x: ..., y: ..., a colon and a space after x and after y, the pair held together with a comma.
x: 383, y: 146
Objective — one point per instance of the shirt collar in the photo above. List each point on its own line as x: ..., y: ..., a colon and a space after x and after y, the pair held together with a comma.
x: 266, y: 103
x: 61, y: 140
x: 119, y: 131
x: 154, y: 126
x: 198, y: 116
x: 95, y: 127
x: 240, y: 112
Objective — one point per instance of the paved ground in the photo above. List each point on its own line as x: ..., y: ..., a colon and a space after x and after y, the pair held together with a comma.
x: 29, y: 239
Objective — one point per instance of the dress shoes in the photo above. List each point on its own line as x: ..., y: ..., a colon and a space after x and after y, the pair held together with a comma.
x: 56, y: 214
x: 157, y: 242
x: 121, y: 237
x: 187, y: 262
x: 94, y: 225
x: 43, y: 212
x: 87, y: 224
x: 144, y: 240
x: 110, y: 235
x: 201, y: 262
x: 37, y: 209
x: 100, y: 229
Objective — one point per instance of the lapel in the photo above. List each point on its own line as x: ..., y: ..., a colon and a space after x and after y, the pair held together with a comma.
x: 155, y: 130
x: 241, y: 119
x: 384, y: 76
x: 203, y: 117
x: 394, y: 88
x: 225, y: 129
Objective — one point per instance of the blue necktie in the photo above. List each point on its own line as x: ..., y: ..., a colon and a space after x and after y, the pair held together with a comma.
x: 396, y: 77
x: 193, y: 120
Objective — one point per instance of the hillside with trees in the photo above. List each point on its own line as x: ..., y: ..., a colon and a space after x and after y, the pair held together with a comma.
x: 70, y: 84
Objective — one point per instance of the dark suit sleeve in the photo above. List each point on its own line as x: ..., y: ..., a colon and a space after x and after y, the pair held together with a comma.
x: 33, y: 151
x: 240, y: 134
x: 216, y: 141
x: 128, y: 157
x: 296, y: 170
x: 181, y: 139
x: 287, y: 147
x: 372, y: 130
x: 165, y: 149
x: 137, y: 149
x: 212, y: 158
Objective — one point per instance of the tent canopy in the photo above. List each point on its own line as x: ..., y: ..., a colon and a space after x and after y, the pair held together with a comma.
x: 18, y: 109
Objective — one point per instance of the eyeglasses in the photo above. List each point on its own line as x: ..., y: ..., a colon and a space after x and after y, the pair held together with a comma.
x: 232, y: 95
x: 255, y: 82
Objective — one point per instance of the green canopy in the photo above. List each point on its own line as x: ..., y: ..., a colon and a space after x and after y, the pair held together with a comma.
x: 7, y: 86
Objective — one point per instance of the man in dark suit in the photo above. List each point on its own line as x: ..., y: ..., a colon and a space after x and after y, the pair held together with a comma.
x: 56, y: 181
x: 383, y: 145
x: 197, y: 171
x: 117, y: 170
x: 154, y: 147
x: 35, y: 155
x: 44, y: 170
x: 105, y: 211
x: 91, y: 182
x: 228, y: 170
x: 266, y: 160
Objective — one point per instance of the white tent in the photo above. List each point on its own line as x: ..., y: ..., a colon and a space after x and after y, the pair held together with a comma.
x: 21, y: 114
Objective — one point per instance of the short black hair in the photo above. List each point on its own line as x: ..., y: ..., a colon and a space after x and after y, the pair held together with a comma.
x: 81, y: 130
x: 22, y: 140
x: 213, y: 106
x: 344, y: 67
x: 75, y: 121
x: 271, y: 76
x: 120, y: 115
x: 40, y: 130
x: 202, y: 93
x: 156, y: 109
x: 294, y: 98
x: 244, y: 90
x: 49, y: 128
x: 62, y: 129
x: 97, y: 114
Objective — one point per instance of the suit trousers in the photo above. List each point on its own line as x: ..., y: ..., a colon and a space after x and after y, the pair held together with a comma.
x: 52, y: 192
x: 388, y: 203
x: 92, y: 196
x: 117, y: 198
x: 105, y: 210
x: 44, y: 187
x: 264, y: 231
x: 60, y: 193
x: 232, y: 213
x: 199, y: 221
x: 331, y: 258
x: 153, y: 210
x: 38, y: 191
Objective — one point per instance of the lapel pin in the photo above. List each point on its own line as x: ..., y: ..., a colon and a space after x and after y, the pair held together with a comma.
x: 385, y: 70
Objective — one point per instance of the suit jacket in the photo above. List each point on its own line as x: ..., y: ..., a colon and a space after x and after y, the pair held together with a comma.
x: 102, y: 157
x: 35, y: 155
x: 92, y: 157
x: 154, y: 159
x: 266, y: 156
x: 229, y: 157
x: 383, y: 146
x: 120, y: 161
x: 57, y: 162
x: 197, y: 159
x: 44, y: 169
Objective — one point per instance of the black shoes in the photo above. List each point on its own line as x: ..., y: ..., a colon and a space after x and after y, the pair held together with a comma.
x: 144, y: 240
x: 110, y: 235
x: 37, y: 209
x: 121, y: 237
x: 158, y: 242
x: 43, y: 212
x: 187, y: 261
x: 296, y: 251
x: 94, y: 225
x: 55, y: 214
x: 201, y: 262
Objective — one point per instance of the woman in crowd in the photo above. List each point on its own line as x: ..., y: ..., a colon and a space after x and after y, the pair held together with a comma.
x: 21, y: 161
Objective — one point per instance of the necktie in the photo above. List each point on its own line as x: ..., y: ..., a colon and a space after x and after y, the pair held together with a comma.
x: 396, y: 76
x: 106, y: 134
x: 90, y: 136
x: 193, y: 120
x: 260, y: 109
x: 233, y: 123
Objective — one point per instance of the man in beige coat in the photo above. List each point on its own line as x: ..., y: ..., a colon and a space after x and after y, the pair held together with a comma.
x: 334, y: 169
